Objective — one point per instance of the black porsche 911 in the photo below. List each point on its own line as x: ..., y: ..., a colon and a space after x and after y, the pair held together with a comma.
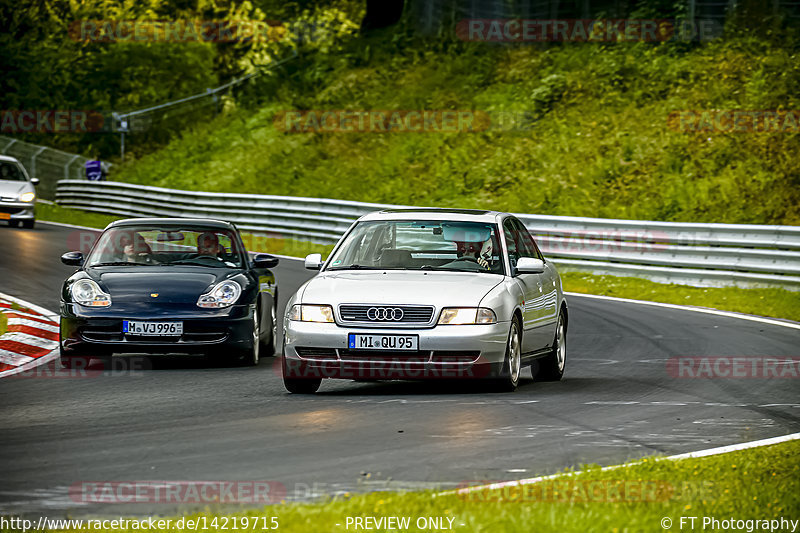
x: 168, y: 285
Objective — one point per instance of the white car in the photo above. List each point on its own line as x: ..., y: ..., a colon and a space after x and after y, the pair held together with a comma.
x: 428, y: 293
x: 17, y: 193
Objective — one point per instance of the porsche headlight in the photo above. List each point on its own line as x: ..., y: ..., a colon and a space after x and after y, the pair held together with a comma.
x: 87, y: 292
x: 27, y: 197
x: 311, y: 313
x: 467, y: 315
x: 224, y: 294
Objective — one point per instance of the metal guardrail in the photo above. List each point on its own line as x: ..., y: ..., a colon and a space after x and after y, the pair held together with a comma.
x: 698, y: 254
x: 47, y: 164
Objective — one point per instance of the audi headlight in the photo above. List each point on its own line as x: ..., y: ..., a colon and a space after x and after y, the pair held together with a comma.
x: 467, y: 315
x: 27, y: 197
x: 311, y: 313
x: 87, y: 292
x: 224, y: 294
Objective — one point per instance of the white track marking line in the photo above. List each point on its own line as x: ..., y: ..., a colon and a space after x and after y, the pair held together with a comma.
x: 29, y: 362
x: 701, y: 453
x: 13, y: 358
x: 41, y: 310
x: 30, y: 340
x: 33, y: 324
x: 728, y: 314
x: 54, y: 354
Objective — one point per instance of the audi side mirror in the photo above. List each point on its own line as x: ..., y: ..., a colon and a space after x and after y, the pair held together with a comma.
x: 313, y: 261
x: 35, y: 181
x: 529, y: 265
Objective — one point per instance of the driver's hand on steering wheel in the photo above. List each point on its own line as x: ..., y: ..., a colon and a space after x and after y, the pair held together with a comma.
x: 483, y: 262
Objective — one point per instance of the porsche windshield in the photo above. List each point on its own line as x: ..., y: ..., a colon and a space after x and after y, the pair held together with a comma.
x: 146, y: 245
x: 421, y: 245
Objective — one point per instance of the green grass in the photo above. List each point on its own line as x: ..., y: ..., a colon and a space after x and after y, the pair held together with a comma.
x: 760, y: 483
x: 778, y: 303
x: 77, y: 217
x: 596, y: 141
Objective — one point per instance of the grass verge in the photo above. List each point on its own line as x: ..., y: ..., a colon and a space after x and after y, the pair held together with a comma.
x: 651, y: 495
x: 777, y: 303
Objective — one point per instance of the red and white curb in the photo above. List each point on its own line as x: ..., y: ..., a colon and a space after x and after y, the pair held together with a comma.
x: 31, y: 339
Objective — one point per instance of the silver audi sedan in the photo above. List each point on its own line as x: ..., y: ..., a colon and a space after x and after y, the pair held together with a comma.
x: 428, y: 294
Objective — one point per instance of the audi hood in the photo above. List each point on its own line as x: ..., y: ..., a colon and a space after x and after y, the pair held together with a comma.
x: 399, y: 287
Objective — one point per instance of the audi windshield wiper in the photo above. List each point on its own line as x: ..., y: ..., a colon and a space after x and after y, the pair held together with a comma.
x: 356, y: 267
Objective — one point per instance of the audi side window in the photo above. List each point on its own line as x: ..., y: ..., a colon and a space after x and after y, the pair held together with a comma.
x: 528, y: 244
x: 511, y: 242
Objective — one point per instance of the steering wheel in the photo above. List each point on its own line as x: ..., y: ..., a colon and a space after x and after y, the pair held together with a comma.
x: 206, y: 258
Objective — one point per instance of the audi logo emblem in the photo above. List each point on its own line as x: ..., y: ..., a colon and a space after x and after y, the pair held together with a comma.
x: 385, y: 313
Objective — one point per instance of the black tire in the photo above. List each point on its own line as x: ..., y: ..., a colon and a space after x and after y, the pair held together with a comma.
x: 75, y: 362
x: 551, y: 367
x: 302, y: 386
x: 252, y: 356
x: 268, y: 347
x: 13, y: 223
x: 298, y: 385
x: 508, y: 380
x: 28, y: 224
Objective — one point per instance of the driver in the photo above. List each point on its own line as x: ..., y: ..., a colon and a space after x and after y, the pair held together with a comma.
x: 208, y: 244
x: 478, y: 252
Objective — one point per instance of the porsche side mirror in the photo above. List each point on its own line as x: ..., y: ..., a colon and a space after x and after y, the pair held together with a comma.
x: 72, y: 259
x: 265, y: 261
x: 313, y: 261
x: 529, y: 265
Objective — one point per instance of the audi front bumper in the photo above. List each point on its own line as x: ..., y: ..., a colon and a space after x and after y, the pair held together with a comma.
x: 320, y: 350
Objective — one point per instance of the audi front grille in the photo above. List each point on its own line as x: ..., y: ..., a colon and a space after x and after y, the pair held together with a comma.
x: 386, y: 314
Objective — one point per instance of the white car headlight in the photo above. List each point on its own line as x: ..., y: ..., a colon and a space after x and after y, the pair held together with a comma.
x: 87, y: 292
x: 467, y: 315
x: 311, y: 313
x: 27, y: 197
x: 223, y: 294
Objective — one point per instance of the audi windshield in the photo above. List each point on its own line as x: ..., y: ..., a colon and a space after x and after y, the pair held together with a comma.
x: 421, y: 245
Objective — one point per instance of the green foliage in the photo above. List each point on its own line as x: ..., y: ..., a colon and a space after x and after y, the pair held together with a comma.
x: 593, y: 141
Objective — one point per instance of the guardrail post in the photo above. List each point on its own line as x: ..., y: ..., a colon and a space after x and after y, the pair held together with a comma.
x: 33, y: 160
x: 9, y: 145
x: 67, y: 165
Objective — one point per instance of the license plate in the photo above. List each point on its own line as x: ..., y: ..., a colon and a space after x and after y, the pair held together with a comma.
x: 357, y: 341
x: 154, y: 329
x: 5, y: 216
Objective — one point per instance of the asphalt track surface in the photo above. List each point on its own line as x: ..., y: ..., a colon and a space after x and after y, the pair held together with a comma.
x: 184, y: 419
